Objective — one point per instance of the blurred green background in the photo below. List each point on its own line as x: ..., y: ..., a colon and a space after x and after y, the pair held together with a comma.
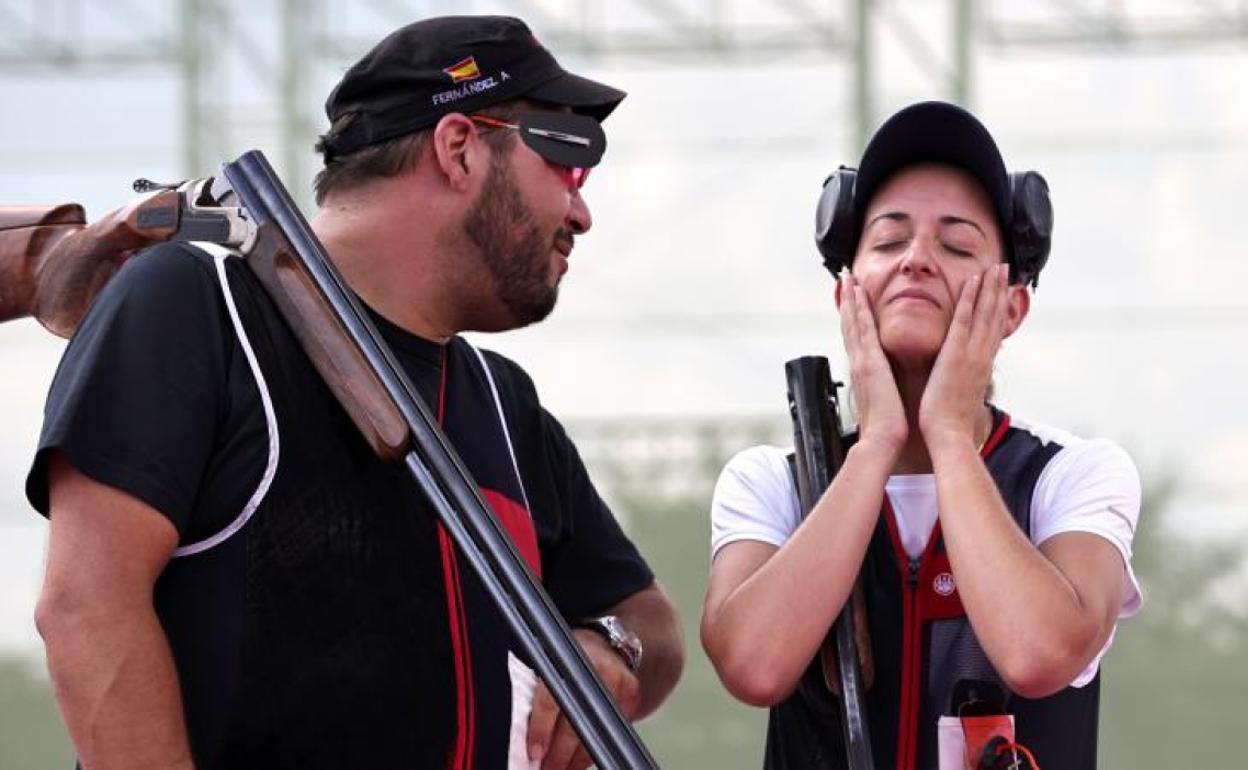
x: 1175, y: 682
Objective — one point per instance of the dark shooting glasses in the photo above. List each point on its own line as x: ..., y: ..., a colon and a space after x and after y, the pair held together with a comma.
x: 575, y: 142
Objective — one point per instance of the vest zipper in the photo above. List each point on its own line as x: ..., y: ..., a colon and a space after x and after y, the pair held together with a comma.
x: 912, y: 621
x: 911, y: 669
x: 909, y: 570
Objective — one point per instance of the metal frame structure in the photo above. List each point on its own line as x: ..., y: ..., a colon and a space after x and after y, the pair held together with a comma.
x: 279, y: 47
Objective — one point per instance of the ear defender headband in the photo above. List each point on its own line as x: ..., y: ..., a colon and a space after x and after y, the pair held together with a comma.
x: 1027, y: 228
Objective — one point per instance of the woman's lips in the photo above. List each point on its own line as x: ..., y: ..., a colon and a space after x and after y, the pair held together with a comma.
x: 913, y: 294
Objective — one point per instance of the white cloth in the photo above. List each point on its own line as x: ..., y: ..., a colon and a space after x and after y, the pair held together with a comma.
x: 951, y: 743
x: 1088, y: 486
x: 523, y: 686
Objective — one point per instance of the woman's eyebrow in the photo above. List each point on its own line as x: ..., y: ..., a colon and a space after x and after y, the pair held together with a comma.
x: 896, y: 216
x: 952, y: 220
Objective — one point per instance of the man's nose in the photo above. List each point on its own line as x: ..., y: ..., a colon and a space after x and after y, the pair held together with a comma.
x: 579, y: 218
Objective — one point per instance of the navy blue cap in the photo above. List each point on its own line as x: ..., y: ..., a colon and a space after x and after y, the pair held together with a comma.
x: 934, y: 132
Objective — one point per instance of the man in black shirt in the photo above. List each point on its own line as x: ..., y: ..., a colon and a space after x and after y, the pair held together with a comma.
x: 233, y: 580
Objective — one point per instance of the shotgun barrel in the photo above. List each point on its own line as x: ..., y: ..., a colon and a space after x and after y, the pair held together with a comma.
x: 819, y: 451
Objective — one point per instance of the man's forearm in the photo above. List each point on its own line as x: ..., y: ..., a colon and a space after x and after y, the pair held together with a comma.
x: 117, y: 688
x: 650, y: 615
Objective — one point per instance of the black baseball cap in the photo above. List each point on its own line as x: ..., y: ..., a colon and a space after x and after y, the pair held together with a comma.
x: 436, y: 66
x: 934, y: 132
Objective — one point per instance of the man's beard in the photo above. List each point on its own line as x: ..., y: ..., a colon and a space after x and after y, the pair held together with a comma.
x: 512, y: 247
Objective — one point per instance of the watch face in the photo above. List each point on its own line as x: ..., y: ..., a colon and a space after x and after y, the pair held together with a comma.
x: 623, y: 641
x: 613, y: 626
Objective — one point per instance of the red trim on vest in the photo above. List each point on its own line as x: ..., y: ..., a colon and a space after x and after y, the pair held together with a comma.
x: 465, y: 709
x: 459, y: 760
x: 929, y: 592
x: 911, y: 641
x: 995, y: 437
x: 470, y: 690
x: 516, y: 520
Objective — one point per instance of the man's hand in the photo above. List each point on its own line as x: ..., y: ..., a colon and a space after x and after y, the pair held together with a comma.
x: 881, y: 416
x: 953, y: 402
x: 551, y: 737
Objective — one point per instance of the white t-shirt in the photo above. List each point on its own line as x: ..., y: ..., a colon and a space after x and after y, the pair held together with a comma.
x: 1088, y: 486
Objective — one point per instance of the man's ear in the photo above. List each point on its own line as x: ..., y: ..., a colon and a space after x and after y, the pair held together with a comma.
x: 456, y: 150
x: 1019, y: 299
x: 840, y: 286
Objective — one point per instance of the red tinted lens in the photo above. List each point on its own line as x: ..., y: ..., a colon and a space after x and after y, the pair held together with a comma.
x: 575, y: 176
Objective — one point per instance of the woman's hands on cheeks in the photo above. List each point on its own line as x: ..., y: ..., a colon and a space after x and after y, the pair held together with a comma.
x: 881, y: 416
x: 953, y: 401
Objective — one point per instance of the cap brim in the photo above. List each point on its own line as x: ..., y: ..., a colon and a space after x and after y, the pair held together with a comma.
x: 585, y: 96
x: 934, y: 132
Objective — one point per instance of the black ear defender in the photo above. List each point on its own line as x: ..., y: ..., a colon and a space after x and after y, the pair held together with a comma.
x: 1028, y: 234
x: 1031, y: 226
x: 835, y: 220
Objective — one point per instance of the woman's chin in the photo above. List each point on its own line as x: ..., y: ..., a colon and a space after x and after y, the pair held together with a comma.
x: 911, y: 350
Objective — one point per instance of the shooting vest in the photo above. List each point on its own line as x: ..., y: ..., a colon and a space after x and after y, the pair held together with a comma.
x: 356, y: 639
x: 923, y: 646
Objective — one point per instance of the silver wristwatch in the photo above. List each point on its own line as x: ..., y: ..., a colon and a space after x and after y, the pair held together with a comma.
x: 624, y: 642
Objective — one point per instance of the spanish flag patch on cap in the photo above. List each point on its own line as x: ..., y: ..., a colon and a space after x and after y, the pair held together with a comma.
x: 465, y: 69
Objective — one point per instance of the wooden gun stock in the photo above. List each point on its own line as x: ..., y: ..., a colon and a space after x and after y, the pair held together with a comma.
x: 862, y: 636
x: 53, y: 264
x: 320, y: 331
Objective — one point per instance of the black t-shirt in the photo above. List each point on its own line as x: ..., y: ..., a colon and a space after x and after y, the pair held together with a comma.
x: 157, y: 395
